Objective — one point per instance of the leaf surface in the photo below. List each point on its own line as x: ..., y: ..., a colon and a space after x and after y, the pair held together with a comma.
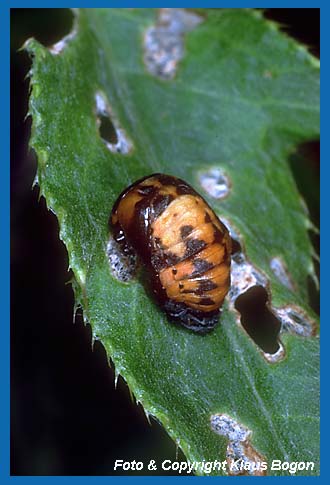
x: 243, y: 96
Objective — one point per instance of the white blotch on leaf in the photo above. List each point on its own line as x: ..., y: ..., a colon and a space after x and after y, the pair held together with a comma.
x: 242, y: 458
x: 294, y: 320
x: 123, y: 144
x: 215, y: 182
x: 123, y: 267
x: 228, y: 427
x: 243, y: 277
x: 163, y: 42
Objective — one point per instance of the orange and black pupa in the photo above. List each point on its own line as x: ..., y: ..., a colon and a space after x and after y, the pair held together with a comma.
x: 181, y: 242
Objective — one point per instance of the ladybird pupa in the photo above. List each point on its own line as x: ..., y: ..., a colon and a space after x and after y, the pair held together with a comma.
x: 181, y: 242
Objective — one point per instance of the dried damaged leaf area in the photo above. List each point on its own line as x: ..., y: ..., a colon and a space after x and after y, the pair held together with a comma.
x: 164, y: 42
x: 123, y: 266
x: 250, y: 296
x: 112, y: 135
x: 242, y: 458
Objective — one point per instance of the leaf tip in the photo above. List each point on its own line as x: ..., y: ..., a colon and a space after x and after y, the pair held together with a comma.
x: 215, y: 182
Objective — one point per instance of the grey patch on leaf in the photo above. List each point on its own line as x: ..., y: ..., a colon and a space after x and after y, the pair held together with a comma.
x: 123, y: 267
x: 164, y: 42
x: 226, y: 426
x: 281, y: 272
x: 243, y: 274
x: 57, y: 48
x: 242, y: 458
x: 294, y: 320
x: 215, y: 182
x: 120, y: 143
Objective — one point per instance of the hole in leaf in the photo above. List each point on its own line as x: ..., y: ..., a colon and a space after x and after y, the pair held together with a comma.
x: 258, y: 321
x: 295, y: 321
x: 107, y: 130
x: 112, y: 134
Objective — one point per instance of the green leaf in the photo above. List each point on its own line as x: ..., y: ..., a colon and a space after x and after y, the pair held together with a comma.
x: 242, y: 97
